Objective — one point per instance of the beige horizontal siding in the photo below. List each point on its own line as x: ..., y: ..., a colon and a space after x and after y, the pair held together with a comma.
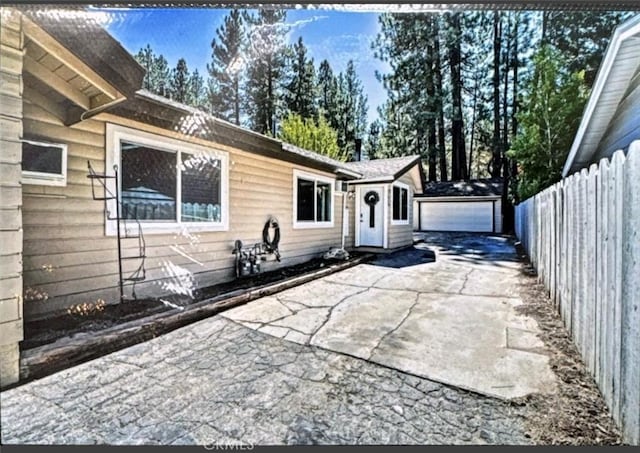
x: 68, y: 257
x: 11, y: 130
x: 401, y: 235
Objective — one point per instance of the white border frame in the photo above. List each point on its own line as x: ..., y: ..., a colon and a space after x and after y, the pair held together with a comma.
x: 46, y: 179
x: 385, y: 213
x: 307, y: 224
x: 116, y: 133
x: 401, y: 185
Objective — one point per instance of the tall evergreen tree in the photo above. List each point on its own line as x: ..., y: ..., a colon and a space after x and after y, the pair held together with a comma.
x: 458, y: 164
x: 351, y: 109
x: 226, y: 69
x: 266, y: 42
x: 197, y: 90
x: 327, y: 87
x: 157, y: 73
x: 179, y: 83
x: 299, y: 92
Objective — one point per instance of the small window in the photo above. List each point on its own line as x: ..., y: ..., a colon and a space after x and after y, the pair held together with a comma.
x: 400, y: 204
x: 313, y: 201
x: 44, y: 163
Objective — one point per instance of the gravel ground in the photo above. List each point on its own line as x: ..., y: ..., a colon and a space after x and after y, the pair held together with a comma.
x: 577, y: 413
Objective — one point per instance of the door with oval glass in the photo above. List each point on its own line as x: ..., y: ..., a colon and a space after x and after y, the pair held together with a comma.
x: 371, y: 216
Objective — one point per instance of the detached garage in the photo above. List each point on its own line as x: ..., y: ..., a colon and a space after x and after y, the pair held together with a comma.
x: 474, y: 206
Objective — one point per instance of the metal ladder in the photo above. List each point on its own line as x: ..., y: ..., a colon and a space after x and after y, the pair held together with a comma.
x: 140, y: 273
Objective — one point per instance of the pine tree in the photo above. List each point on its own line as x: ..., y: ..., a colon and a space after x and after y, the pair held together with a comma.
x: 146, y: 58
x: 458, y: 164
x: 179, y: 83
x: 266, y: 43
x: 350, y: 119
x: 226, y: 69
x: 372, y: 144
x: 299, y: 93
x: 161, y: 76
x: 326, y: 89
x: 157, y: 74
x: 197, y: 94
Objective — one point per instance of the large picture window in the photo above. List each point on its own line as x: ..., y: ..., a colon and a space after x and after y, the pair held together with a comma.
x: 313, y: 201
x: 44, y: 163
x: 400, y: 204
x: 166, y: 183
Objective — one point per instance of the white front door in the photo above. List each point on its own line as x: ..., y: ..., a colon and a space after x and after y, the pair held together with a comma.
x: 371, y: 216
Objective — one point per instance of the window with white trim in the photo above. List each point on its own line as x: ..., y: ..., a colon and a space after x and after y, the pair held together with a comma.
x: 44, y: 163
x: 165, y: 183
x: 313, y: 200
x: 400, y: 203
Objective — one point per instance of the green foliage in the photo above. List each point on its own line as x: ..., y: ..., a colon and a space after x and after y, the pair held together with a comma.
x: 549, y: 118
x: 312, y: 135
x: 157, y: 73
x: 225, y: 69
x: 299, y: 94
x: 266, y: 36
x: 179, y: 83
x: 343, y: 103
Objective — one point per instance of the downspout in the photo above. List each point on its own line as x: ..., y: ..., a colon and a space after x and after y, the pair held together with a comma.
x: 344, y: 211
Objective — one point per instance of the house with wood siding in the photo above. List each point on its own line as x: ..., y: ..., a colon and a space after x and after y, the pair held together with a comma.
x: 71, y: 107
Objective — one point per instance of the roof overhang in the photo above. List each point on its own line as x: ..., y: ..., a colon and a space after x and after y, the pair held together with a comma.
x: 68, y: 61
x: 620, y: 63
x: 172, y: 116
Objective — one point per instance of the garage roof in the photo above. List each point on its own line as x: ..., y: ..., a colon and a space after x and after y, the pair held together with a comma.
x: 471, y: 188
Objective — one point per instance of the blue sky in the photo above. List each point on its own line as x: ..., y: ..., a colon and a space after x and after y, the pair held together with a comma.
x: 337, y: 36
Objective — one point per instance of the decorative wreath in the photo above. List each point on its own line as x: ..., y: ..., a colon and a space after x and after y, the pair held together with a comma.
x: 371, y: 198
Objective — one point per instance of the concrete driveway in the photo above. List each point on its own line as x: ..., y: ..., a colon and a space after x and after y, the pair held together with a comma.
x: 446, y: 312
x: 219, y: 384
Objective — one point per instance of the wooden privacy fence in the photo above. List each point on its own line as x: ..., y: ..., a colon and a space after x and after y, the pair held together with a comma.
x: 583, y: 237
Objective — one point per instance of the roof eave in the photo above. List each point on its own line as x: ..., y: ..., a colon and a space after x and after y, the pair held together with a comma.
x: 623, y: 32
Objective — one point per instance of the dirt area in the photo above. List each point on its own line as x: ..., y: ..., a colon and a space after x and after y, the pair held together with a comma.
x: 38, y: 333
x: 576, y: 414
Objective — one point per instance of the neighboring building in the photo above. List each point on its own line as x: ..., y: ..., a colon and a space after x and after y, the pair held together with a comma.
x: 71, y: 95
x: 611, y: 119
x: 465, y: 206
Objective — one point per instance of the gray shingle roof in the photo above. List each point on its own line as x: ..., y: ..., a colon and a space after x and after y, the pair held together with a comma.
x: 287, y: 147
x: 383, y: 168
x: 475, y: 187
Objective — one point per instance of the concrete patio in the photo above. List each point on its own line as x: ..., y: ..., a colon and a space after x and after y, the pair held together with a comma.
x: 289, y: 369
x: 452, y: 320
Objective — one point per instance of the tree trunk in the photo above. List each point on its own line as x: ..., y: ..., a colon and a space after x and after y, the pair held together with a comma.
x: 437, y: 74
x: 458, y: 170
x: 497, y: 152
x: 430, y: 113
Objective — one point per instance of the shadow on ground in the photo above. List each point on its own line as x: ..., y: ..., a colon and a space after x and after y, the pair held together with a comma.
x: 419, y: 254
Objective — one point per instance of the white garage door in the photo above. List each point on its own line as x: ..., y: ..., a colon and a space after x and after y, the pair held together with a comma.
x: 457, y: 216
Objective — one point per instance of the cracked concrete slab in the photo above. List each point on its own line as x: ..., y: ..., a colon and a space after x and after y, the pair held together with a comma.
x: 452, y: 320
x: 357, y: 325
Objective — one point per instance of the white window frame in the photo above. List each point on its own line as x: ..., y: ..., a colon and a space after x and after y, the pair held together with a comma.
x: 47, y: 179
x: 401, y: 185
x: 116, y: 134
x: 315, y: 178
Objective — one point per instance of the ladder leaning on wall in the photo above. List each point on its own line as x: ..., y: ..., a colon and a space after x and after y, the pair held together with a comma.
x: 99, y: 181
